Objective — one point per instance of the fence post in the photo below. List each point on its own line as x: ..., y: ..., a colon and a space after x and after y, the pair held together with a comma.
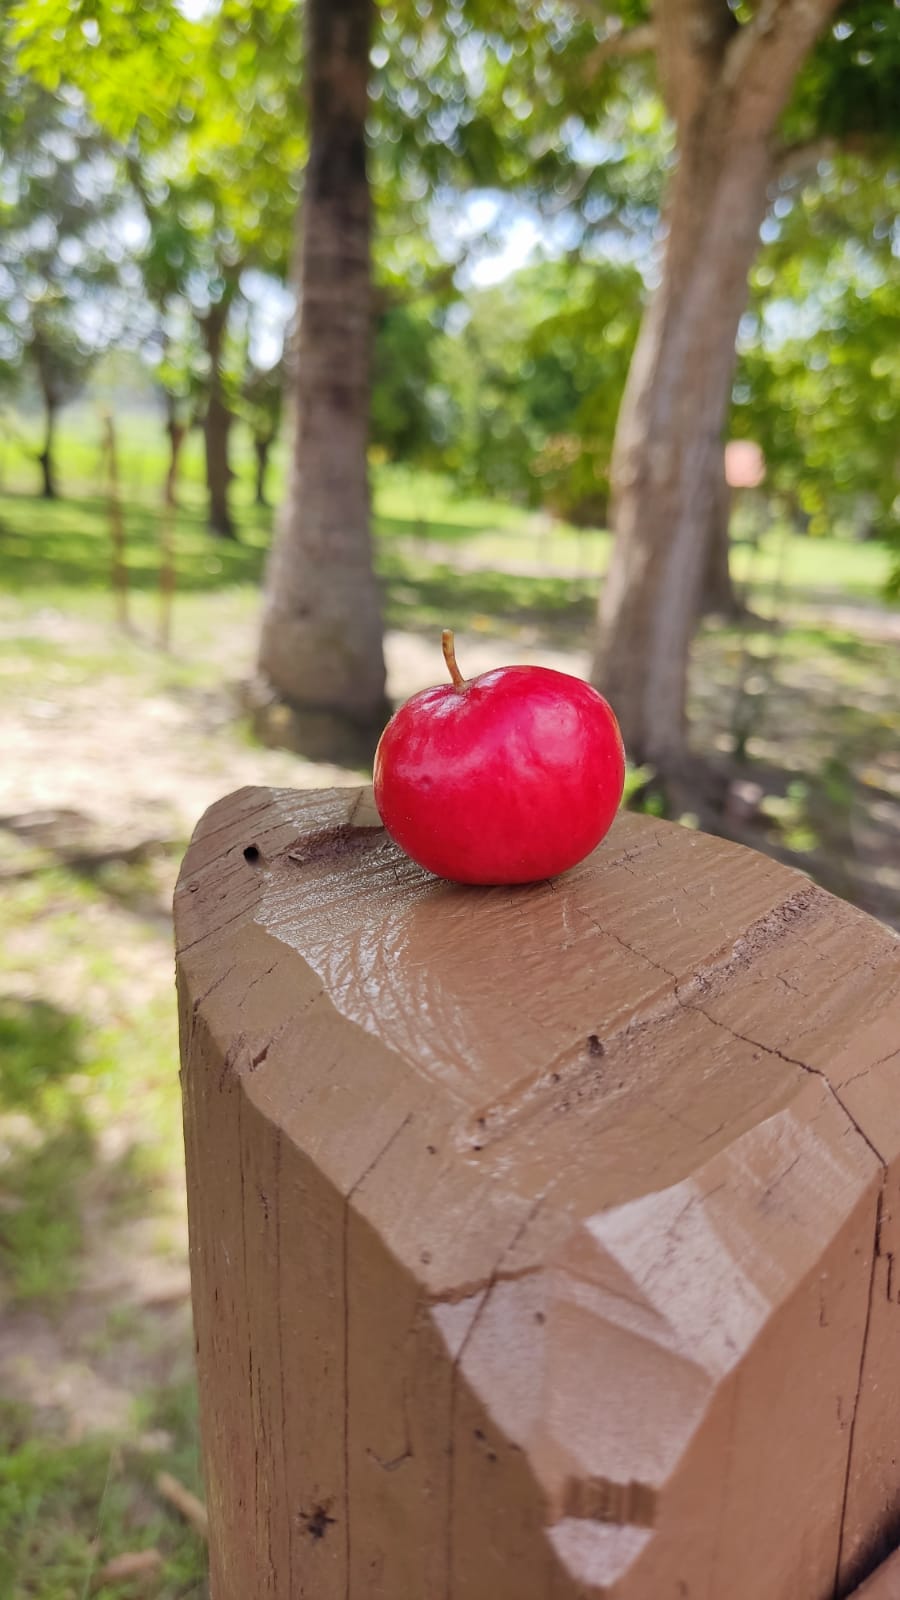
x: 542, y: 1240
x: 118, y: 564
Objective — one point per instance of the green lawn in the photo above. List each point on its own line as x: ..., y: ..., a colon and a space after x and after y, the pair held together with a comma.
x: 100, y: 1386
x: 92, y: 1240
x: 420, y: 518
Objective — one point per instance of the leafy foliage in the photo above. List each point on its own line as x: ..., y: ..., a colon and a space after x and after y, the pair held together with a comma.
x: 64, y: 274
x: 518, y: 392
x: 819, y: 379
x: 523, y: 386
x: 848, y: 87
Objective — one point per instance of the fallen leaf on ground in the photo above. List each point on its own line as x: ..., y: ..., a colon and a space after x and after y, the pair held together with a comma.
x: 132, y: 1564
x: 192, y: 1509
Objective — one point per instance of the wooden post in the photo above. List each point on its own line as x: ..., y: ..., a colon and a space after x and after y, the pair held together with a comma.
x: 118, y: 568
x: 542, y: 1239
x: 167, y: 556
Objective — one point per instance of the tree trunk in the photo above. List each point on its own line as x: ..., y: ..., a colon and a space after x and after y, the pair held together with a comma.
x: 668, y: 449
x: 262, y: 444
x: 718, y: 595
x: 726, y: 86
x: 217, y: 423
x: 321, y: 650
x: 46, y: 457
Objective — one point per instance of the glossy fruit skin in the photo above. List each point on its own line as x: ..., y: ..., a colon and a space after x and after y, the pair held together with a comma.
x: 514, y: 777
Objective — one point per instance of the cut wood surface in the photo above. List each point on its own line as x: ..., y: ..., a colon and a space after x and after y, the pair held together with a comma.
x: 542, y: 1239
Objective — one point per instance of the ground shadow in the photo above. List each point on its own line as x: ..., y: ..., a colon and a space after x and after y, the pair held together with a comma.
x: 40, y: 1047
x: 434, y: 596
x: 67, y: 543
x: 136, y: 876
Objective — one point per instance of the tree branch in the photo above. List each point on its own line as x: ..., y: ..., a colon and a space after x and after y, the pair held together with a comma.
x: 594, y: 10
x: 692, y: 37
x: 620, y: 42
x: 136, y: 177
x: 764, y: 57
x: 796, y: 160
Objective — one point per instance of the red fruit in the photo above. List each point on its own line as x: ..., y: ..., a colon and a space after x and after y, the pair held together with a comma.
x: 505, y: 778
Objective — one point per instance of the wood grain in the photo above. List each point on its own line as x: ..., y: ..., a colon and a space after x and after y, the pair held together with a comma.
x: 542, y: 1240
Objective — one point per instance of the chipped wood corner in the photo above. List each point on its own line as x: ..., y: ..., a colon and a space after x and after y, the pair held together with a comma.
x: 542, y: 1240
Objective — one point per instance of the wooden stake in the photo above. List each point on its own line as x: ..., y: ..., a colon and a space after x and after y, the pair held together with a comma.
x: 119, y: 570
x: 167, y: 551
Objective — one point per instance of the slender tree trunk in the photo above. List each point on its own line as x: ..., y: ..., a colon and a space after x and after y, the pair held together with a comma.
x: 718, y: 595
x: 726, y: 85
x: 262, y: 444
x: 321, y: 648
x: 46, y: 457
x: 217, y: 424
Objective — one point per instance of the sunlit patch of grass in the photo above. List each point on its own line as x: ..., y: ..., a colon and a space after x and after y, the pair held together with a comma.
x: 47, y: 545
x: 790, y: 813
x: 432, y: 595
x: 68, y: 1508
x: 79, y: 1052
x: 89, y: 1124
x: 49, y: 1146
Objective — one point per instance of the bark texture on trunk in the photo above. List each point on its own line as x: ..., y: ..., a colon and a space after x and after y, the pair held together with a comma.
x: 726, y: 88
x: 668, y: 443
x: 321, y: 647
x: 217, y: 423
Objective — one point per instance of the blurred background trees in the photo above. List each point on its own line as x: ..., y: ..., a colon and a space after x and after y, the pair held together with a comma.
x: 819, y: 373
x: 64, y: 275
x: 594, y: 374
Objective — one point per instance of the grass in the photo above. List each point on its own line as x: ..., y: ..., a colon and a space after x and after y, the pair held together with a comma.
x: 422, y: 524
x: 91, y: 1202
x: 77, y: 1056
x: 69, y: 1509
x: 89, y: 1180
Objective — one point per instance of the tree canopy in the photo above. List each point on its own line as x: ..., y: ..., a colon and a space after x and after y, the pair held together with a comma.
x: 572, y: 113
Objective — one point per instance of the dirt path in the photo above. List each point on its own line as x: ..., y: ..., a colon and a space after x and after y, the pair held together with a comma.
x: 147, y: 767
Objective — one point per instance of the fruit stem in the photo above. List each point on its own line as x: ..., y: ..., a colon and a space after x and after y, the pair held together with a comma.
x: 449, y: 650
